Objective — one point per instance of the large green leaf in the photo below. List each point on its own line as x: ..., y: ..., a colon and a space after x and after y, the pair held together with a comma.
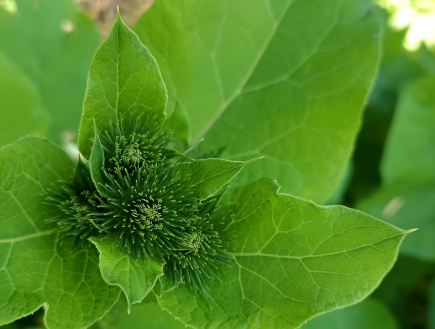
x: 20, y: 106
x: 408, y: 208
x: 369, y: 314
x: 136, y: 277
x: 34, y: 270
x: 292, y: 261
x: 124, y: 80
x: 280, y: 78
x: 53, y: 44
x: 409, y: 156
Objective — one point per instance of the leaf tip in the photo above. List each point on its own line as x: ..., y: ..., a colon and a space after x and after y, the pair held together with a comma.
x: 410, y: 231
x: 118, y: 15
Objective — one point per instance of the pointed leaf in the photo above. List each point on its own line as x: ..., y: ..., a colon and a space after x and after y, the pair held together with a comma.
x: 206, y: 177
x: 284, y: 79
x: 292, y: 261
x: 96, y: 162
x: 136, y: 277
x: 124, y: 80
x: 34, y: 271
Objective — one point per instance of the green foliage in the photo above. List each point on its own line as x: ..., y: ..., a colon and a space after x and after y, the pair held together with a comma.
x: 283, y: 79
x: 329, y: 256
x: 124, y: 80
x: 53, y: 45
x: 21, y: 105
x: 35, y: 270
x: 408, y: 175
x: 150, y: 210
x: 409, y: 157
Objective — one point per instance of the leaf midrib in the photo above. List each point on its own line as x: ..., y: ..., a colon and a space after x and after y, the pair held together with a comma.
x: 245, y: 79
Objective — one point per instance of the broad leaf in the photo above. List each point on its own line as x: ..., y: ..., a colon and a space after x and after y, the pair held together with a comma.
x: 124, y: 80
x: 284, y: 79
x: 409, y: 156
x: 136, y: 277
x: 20, y: 105
x: 53, y: 44
x: 96, y: 162
x: 208, y: 176
x: 369, y: 314
x: 408, y: 208
x: 293, y: 260
x: 34, y: 271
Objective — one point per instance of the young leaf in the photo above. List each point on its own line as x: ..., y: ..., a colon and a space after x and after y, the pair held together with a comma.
x: 208, y: 176
x: 20, y: 106
x: 33, y: 270
x: 53, y: 44
x: 293, y: 260
x: 284, y: 79
x: 124, y: 80
x: 96, y: 162
x: 135, y: 276
x: 369, y: 314
x: 409, y: 157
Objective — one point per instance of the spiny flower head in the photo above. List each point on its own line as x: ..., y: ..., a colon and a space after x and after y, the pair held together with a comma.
x: 75, y: 201
x: 196, y: 263
x: 132, y: 144
x: 145, y: 206
x: 147, y: 211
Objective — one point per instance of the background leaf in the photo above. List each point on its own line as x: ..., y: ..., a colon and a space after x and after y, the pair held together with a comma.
x: 53, y: 45
x: 369, y: 314
x: 406, y: 196
x: 409, y: 157
x: 283, y: 79
x: 136, y: 277
x: 21, y: 106
x: 124, y: 80
x: 33, y: 269
x: 293, y: 260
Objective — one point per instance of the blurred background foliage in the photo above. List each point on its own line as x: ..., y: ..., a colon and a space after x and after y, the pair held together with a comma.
x: 46, y: 47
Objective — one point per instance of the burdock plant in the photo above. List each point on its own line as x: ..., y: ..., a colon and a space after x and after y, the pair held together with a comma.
x: 218, y: 250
